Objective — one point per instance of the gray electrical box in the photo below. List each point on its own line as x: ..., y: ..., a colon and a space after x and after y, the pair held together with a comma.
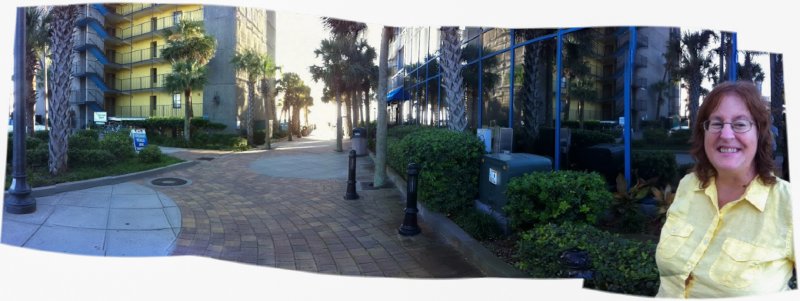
x: 498, y: 169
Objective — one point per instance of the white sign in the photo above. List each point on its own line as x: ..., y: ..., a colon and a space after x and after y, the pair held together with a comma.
x: 139, y: 139
x: 494, y: 177
x: 100, y: 117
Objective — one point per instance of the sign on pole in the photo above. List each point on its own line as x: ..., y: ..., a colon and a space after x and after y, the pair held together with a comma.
x: 139, y: 139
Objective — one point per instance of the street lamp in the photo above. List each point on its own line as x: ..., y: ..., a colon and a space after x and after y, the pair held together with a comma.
x: 18, y: 198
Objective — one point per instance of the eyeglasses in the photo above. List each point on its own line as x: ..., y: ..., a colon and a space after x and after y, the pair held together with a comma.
x: 738, y: 126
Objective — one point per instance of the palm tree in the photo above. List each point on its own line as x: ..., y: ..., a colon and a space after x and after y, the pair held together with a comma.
x: 294, y: 91
x: 38, y: 35
x: 695, y: 63
x: 750, y: 70
x: 330, y: 72
x: 471, y: 78
x: 379, y: 178
x: 61, y: 39
x: 255, y: 65
x: 534, y: 93
x: 451, y: 78
x: 189, y: 49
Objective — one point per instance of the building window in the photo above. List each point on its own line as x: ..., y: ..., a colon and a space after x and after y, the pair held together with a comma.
x: 176, y: 17
x: 153, y: 24
x: 154, y: 75
x: 152, y: 105
x: 400, y: 59
x: 176, y: 101
x: 153, y: 49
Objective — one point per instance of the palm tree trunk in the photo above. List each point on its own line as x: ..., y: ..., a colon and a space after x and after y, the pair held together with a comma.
x: 379, y: 178
x: 289, y: 125
x: 296, y: 121
x: 348, y: 102
x: 268, y: 110
x: 366, y: 109
x: 32, y: 68
x: 452, y: 79
x: 250, y: 98
x: 338, y: 122
x: 62, y: 40
x: 187, y: 121
x: 533, y: 104
x: 694, y: 98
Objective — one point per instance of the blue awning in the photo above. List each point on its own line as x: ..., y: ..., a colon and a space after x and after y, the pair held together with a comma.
x: 398, y: 94
x: 94, y: 106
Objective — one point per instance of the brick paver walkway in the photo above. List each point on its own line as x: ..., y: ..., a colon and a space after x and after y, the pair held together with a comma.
x: 284, y: 208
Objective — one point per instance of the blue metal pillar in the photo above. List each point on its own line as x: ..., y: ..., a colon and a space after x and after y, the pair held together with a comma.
x: 439, y: 97
x: 734, y: 61
x: 427, y: 110
x: 626, y: 131
x: 558, y: 101
x: 480, y: 80
x: 511, y: 86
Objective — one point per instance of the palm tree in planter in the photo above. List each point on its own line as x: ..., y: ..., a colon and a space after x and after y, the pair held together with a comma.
x: 452, y: 79
x: 61, y: 39
x: 189, y: 49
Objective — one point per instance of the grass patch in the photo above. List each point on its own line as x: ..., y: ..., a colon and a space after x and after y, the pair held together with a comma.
x: 40, y: 177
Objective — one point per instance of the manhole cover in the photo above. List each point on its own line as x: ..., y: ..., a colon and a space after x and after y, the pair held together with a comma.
x: 205, y: 158
x: 169, y: 182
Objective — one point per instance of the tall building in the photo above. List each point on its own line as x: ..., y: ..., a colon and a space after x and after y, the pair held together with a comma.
x: 119, y: 68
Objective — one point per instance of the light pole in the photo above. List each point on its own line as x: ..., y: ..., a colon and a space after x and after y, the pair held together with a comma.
x: 18, y: 199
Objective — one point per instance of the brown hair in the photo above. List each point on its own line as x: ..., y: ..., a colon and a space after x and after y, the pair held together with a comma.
x: 761, y: 119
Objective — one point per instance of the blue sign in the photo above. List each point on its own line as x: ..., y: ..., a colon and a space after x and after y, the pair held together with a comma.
x: 139, y: 139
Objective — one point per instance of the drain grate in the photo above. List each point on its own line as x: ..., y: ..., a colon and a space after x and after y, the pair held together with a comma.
x: 205, y: 158
x: 169, y: 182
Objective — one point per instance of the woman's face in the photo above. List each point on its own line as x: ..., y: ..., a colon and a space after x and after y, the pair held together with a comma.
x: 732, y: 153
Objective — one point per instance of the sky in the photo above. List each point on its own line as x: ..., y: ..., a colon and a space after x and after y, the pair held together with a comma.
x: 34, y: 275
x: 298, y: 35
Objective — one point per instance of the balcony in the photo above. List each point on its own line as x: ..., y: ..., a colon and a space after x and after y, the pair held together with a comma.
x: 141, y: 83
x: 140, y: 56
x: 157, y: 111
x: 398, y: 80
x: 109, y: 13
x: 147, y: 28
x: 79, y: 97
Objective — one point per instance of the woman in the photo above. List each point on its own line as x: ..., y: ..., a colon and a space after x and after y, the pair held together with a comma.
x: 729, y: 231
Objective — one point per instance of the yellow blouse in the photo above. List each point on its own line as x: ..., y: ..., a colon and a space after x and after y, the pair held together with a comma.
x: 743, y: 249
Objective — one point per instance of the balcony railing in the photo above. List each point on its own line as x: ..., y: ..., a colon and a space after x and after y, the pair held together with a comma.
x: 139, y: 83
x: 133, y: 8
x: 161, y: 23
x: 89, y: 66
x: 139, y: 55
x: 82, y: 96
x: 157, y: 111
x: 87, y: 37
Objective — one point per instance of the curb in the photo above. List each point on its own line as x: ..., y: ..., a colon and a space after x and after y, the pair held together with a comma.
x: 471, y: 249
x: 110, y: 180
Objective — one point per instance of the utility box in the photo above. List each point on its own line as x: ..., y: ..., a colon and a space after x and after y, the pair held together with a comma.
x: 498, y: 169
x: 606, y: 159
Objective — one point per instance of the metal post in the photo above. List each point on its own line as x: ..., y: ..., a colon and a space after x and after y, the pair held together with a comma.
x: 351, y: 178
x: 18, y: 199
x: 410, y: 227
x: 557, y: 133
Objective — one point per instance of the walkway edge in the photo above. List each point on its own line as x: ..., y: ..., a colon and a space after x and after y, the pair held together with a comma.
x: 474, y: 251
x: 110, y: 180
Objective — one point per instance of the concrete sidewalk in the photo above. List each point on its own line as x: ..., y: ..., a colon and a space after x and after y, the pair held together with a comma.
x: 125, y: 219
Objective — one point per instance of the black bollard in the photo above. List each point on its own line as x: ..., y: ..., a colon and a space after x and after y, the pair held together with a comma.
x: 410, y: 227
x: 351, y: 178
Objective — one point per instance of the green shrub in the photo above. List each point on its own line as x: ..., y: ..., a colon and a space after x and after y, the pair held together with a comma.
x: 38, y: 156
x: 620, y: 265
x: 118, y: 144
x: 90, y: 157
x: 259, y: 137
x: 559, y: 196
x: 450, y: 164
x: 42, y: 135
x: 150, y: 154
x: 401, y: 131
x: 679, y: 137
x: 582, y: 139
x: 655, y: 136
x: 479, y: 225
x: 651, y: 164
x: 84, y: 139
